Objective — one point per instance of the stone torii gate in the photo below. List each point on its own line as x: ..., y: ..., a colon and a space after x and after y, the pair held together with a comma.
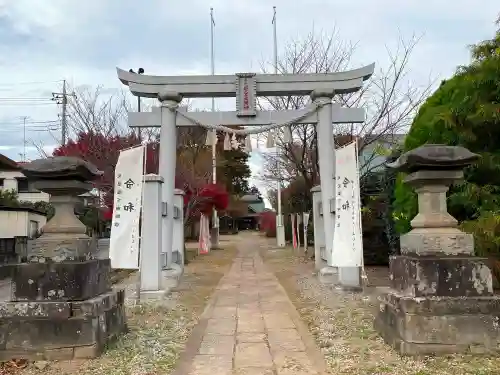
x: 245, y: 87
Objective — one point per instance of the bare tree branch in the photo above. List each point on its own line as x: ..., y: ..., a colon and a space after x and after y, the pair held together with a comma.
x: 389, y: 99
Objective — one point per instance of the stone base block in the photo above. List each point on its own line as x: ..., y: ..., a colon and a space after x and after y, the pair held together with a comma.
x: 172, y: 276
x: 439, y: 325
x: 152, y: 295
x: 61, y: 330
x: 328, y: 275
x: 350, y: 279
x: 441, y: 276
x: 446, y: 241
x: 62, y: 247
x: 64, y: 281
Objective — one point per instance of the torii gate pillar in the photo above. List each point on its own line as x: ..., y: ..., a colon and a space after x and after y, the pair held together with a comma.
x: 168, y: 138
x: 326, y: 160
x: 348, y: 277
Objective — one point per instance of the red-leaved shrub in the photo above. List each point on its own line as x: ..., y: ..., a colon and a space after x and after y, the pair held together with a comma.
x: 267, y: 221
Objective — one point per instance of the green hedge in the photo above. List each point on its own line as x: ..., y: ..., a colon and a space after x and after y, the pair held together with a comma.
x: 464, y: 110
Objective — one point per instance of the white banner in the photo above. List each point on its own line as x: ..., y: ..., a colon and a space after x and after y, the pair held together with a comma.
x: 124, y: 241
x: 294, y: 233
x: 297, y: 228
x: 306, y: 224
x: 348, y: 242
x: 204, y: 238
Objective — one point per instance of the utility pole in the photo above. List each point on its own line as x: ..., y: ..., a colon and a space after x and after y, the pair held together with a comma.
x: 62, y: 98
x: 280, y: 228
x: 24, y: 137
x: 64, y: 123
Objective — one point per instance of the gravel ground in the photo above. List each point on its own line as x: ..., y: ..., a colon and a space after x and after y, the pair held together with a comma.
x: 342, y: 324
x: 158, y: 330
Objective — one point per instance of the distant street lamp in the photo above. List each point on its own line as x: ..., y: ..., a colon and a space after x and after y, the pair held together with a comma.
x: 140, y: 71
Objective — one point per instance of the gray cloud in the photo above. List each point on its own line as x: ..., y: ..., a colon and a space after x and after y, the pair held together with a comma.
x: 83, y: 41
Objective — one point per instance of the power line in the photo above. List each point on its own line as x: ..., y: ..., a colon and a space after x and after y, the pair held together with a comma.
x: 23, y: 99
x: 29, y: 83
x: 41, y: 129
x: 28, y: 122
x: 17, y: 104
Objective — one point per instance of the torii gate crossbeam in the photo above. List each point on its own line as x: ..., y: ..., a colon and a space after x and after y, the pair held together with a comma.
x: 220, y: 86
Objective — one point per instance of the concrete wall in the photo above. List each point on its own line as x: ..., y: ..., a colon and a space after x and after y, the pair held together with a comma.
x: 17, y: 223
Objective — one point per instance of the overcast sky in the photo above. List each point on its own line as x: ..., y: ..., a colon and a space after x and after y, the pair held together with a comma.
x: 45, y: 41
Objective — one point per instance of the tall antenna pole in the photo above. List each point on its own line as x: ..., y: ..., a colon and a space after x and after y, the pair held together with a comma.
x: 280, y: 229
x: 212, y: 60
x: 275, y: 40
x: 215, y: 224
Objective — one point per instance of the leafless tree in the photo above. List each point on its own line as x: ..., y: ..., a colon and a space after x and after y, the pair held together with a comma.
x: 389, y: 99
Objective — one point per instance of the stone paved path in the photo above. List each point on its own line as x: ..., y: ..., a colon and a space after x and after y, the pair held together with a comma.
x: 251, y: 327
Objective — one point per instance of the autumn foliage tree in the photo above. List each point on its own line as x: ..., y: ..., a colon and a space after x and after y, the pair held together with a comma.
x: 103, y: 152
x: 97, y: 127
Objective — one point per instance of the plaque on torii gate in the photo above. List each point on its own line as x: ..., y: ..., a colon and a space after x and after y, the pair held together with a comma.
x: 246, y: 87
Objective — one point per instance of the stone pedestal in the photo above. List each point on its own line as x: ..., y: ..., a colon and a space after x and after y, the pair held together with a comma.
x: 178, y: 240
x: 62, y: 305
x: 151, y: 252
x: 441, y: 299
x: 328, y: 275
x: 214, y: 237
x: 64, y: 236
x: 280, y: 231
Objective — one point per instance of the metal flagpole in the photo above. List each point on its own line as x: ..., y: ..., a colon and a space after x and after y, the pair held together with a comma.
x: 275, y: 40
x: 215, y: 224
x: 280, y: 230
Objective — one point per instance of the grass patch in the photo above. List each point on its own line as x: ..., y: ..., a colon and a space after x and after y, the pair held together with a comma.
x: 342, y: 325
x: 158, y: 331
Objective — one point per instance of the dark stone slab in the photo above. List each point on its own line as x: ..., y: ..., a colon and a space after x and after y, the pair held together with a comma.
x: 463, y: 328
x: 84, y: 334
x: 61, y: 168
x: 437, y: 306
x: 98, y: 305
x: 45, y: 309
x: 62, y: 310
x: 62, y: 281
x: 49, y: 333
x: 434, y: 157
x: 421, y: 276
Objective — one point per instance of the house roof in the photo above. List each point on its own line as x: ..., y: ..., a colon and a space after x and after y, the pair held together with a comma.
x: 251, y: 198
x: 387, y: 138
x: 8, y: 164
x: 256, y: 207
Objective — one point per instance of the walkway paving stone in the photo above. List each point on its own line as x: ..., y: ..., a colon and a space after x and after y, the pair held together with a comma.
x: 252, y: 327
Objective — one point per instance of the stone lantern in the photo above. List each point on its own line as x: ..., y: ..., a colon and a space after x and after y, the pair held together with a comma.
x: 64, y: 236
x: 441, y: 298
x: 62, y: 304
